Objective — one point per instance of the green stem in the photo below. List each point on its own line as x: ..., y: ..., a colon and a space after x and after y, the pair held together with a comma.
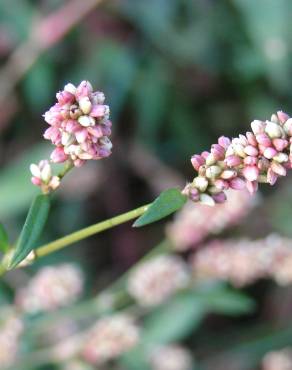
x: 88, y: 231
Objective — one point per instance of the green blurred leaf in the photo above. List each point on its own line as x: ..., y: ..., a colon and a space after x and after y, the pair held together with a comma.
x: 3, y: 239
x: 32, y: 228
x: 174, y: 320
x: 168, y: 202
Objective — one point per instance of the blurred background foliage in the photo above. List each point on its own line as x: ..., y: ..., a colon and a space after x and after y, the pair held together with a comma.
x: 177, y: 74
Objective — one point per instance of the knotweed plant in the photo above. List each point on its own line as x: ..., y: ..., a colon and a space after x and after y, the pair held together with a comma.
x: 170, y: 281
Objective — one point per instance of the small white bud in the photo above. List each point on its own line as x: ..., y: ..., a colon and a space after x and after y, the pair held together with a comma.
x: 46, y: 173
x: 213, y: 171
x: 85, y: 105
x: 34, y: 169
x: 201, y: 183
x: 207, y: 200
x: 70, y: 88
x: 67, y: 138
x: 273, y: 130
x: 210, y: 159
x: 281, y: 157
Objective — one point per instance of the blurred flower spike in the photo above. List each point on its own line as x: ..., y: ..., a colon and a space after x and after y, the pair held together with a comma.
x: 258, y: 156
x: 42, y: 176
x: 79, y: 125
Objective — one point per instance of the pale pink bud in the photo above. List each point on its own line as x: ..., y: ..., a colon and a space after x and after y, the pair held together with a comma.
x: 242, y: 140
x: 278, y: 169
x: 58, y: 155
x: 257, y: 127
x: 252, y: 186
x: 233, y: 161
x: 283, y: 117
x: 98, y: 111
x: 81, y: 135
x: 197, y: 161
x: 228, y: 174
x: 84, y: 89
x: 224, y: 142
x: 251, y: 138
x: 251, y: 150
x: 65, y: 97
x: 96, y: 131
x: 36, y: 181
x: 280, y: 144
x: 205, y: 154
x: 270, y: 152
x: 237, y: 183
x: 221, y: 184
x: 250, y: 161
x: 194, y: 194
x: 264, y: 140
x: 251, y: 173
x: 271, y: 177
x: 218, y: 151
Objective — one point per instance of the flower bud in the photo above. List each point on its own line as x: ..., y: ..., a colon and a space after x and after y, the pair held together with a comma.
x: 197, y: 161
x: 207, y: 200
x: 251, y: 138
x: 270, y: 152
x: 281, y: 158
x: 288, y: 126
x: 251, y: 173
x: 213, y: 172
x: 250, y: 161
x: 264, y: 140
x: 228, y: 174
x: 70, y: 88
x: 273, y: 130
x: 85, y: 105
x: 224, y: 142
x: 257, y: 127
x: 278, y: 169
x: 233, y: 161
x: 210, y: 159
x: 220, y: 197
x: 271, y: 177
x: 282, y: 116
x: 280, y: 144
x: 201, y: 183
x: 251, y: 150
x: 237, y: 183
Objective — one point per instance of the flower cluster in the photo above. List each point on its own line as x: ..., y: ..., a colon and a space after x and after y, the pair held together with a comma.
x: 258, y: 156
x: 192, y: 224
x: 244, y: 261
x: 79, y: 125
x: 11, y: 327
x: 154, y: 281
x: 171, y: 357
x: 109, y: 338
x: 42, y: 176
x: 50, y: 288
x: 278, y: 360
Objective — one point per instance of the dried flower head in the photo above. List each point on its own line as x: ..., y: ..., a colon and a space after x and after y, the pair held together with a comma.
x: 154, y: 281
x: 278, y: 360
x: 262, y: 155
x: 192, y: 224
x: 42, y: 176
x: 109, y: 338
x: 79, y: 125
x: 11, y: 328
x: 171, y: 357
x: 50, y: 288
x: 244, y: 261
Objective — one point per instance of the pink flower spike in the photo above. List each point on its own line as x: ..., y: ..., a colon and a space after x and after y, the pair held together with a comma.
x: 58, y: 155
x: 251, y: 173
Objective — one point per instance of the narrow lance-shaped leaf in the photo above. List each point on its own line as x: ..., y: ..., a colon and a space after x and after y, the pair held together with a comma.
x: 32, y: 228
x: 168, y: 202
x: 4, y: 244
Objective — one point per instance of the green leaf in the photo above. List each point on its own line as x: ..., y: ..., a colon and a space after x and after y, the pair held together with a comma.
x: 168, y: 202
x: 174, y: 320
x: 4, y: 244
x: 32, y: 228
